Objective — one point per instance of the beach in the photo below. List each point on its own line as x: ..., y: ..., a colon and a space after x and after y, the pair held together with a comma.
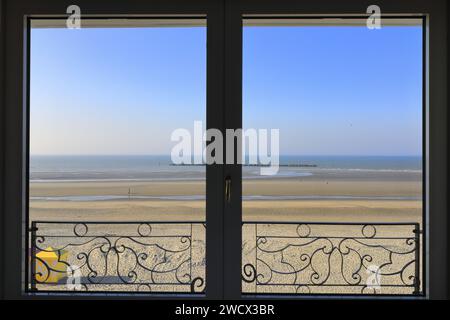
x: 322, y: 199
x: 355, y: 197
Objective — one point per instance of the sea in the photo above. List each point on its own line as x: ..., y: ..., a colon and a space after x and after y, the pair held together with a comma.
x: 46, y: 169
x: 160, y: 167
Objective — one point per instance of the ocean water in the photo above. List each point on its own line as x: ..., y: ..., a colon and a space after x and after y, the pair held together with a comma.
x: 158, y: 168
x: 359, y: 162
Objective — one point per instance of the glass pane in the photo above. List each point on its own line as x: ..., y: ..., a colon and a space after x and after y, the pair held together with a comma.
x: 109, y: 210
x: 344, y: 212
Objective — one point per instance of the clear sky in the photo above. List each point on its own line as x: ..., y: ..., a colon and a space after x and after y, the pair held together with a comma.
x: 330, y: 90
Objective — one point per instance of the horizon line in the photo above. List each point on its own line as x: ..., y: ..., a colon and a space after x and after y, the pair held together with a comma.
x: 193, y: 155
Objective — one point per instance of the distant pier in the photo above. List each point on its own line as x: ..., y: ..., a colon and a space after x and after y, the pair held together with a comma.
x: 292, y: 165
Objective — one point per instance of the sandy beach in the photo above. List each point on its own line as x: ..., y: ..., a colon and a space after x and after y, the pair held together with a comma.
x: 324, y: 197
x: 361, y: 197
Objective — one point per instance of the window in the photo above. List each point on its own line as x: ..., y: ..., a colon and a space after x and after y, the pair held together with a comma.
x: 94, y: 202
x: 344, y: 213
x: 108, y: 209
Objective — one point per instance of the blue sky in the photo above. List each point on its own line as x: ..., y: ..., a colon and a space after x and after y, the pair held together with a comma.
x: 330, y: 90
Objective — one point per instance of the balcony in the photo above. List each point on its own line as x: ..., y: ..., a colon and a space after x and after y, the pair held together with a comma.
x: 279, y: 258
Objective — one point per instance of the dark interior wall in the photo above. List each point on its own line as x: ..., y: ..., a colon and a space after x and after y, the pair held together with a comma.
x: 437, y: 202
x: 448, y: 148
x: 2, y: 240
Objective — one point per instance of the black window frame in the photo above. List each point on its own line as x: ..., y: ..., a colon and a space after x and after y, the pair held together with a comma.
x: 224, y: 100
x: 18, y: 16
x: 435, y: 178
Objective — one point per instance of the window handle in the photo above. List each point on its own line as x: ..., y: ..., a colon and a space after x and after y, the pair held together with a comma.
x: 228, y: 189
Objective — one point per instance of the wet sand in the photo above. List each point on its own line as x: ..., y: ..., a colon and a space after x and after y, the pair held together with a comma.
x: 266, y: 210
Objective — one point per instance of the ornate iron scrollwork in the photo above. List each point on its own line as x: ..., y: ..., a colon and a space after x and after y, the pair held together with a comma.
x: 331, y: 258
x: 128, y: 256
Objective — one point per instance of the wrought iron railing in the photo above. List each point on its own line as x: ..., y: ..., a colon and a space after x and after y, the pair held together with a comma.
x: 331, y: 258
x: 277, y: 257
x: 117, y: 256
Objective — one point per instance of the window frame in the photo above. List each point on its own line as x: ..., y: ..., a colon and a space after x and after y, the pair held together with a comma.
x: 224, y: 65
x: 424, y: 153
x: 16, y: 152
x: 434, y: 114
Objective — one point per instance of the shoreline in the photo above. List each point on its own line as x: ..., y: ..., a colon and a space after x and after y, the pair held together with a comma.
x: 249, y: 173
x: 75, y: 198
x: 334, y: 200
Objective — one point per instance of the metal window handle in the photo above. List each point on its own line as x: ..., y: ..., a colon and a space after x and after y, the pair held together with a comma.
x: 228, y: 189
